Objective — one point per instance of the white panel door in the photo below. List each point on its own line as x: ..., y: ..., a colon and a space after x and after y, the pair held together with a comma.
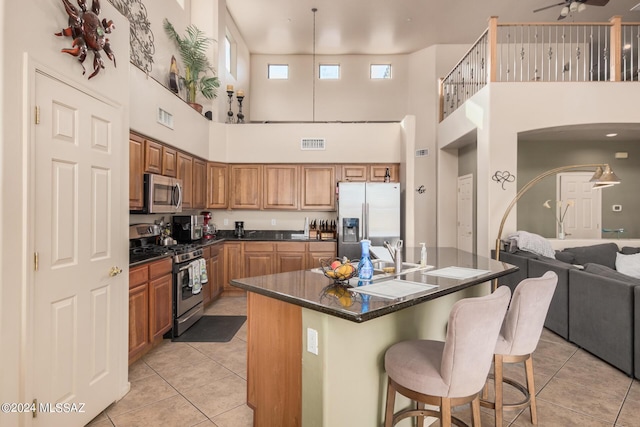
x: 465, y: 213
x: 583, y: 220
x: 77, y: 178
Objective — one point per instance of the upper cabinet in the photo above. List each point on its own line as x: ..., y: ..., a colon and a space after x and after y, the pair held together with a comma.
x: 368, y: 172
x: 136, y: 171
x: 169, y: 161
x: 245, y: 186
x: 185, y: 173
x: 281, y: 187
x: 354, y: 173
x: 217, y: 183
x: 318, y: 188
x: 377, y: 172
x: 152, y: 157
x: 199, y: 190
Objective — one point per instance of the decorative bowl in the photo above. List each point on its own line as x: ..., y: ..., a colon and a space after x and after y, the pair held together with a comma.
x: 342, y: 270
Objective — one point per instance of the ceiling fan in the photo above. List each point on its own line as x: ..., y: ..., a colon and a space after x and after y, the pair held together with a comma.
x: 573, y: 6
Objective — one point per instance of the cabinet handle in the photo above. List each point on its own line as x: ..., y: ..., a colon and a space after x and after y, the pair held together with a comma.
x: 115, y: 270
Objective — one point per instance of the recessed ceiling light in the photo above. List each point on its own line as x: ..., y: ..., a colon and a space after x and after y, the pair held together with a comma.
x: 611, y: 135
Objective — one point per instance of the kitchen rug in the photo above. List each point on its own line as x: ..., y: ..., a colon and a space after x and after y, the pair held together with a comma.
x: 212, y: 329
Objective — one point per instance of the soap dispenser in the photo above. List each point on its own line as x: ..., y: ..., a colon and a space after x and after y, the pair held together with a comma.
x: 423, y: 255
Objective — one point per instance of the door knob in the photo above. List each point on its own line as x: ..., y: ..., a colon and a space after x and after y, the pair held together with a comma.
x: 115, y: 270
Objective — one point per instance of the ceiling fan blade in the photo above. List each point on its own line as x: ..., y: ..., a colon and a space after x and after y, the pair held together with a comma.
x: 549, y: 7
x: 560, y: 18
x: 596, y: 2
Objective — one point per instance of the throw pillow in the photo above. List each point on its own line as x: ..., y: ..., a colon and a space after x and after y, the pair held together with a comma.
x: 628, y: 264
x: 604, y: 254
x: 566, y: 256
x: 628, y: 250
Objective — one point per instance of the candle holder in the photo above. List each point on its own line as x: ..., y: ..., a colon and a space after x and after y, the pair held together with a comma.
x: 230, y: 112
x: 240, y: 114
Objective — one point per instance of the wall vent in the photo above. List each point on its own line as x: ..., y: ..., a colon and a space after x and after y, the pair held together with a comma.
x: 423, y: 152
x: 165, y: 118
x: 312, y: 144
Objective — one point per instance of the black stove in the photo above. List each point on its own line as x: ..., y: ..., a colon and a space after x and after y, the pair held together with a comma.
x: 181, y: 252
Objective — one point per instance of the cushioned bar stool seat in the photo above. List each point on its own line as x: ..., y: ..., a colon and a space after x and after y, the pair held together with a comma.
x: 448, y: 373
x: 518, y: 340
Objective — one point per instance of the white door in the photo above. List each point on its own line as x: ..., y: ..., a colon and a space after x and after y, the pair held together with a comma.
x: 77, y: 203
x: 583, y: 220
x: 465, y: 213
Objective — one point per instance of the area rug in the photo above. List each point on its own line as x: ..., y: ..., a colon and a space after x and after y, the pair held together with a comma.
x: 212, y: 329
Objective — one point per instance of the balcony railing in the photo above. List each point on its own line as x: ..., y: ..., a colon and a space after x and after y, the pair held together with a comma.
x: 544, y: 52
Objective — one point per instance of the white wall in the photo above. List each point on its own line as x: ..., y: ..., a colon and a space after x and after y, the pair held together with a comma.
x: 352, y: 97
x: 501, y: 110
x: 25, y: 49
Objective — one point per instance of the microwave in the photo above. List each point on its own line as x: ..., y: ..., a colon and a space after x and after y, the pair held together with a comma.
x: 162, y: 194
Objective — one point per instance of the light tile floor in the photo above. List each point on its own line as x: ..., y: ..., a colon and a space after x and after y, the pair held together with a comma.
x: 574, y: 387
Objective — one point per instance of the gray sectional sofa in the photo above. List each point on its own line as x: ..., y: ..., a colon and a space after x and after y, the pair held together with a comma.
x: 594, y: 306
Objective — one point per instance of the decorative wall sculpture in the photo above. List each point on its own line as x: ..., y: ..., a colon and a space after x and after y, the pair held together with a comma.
x: 140, y: 36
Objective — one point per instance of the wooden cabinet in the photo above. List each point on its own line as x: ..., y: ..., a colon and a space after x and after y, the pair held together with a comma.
x: 320, y: 250
x: 206, y: 288
x: 199, y: 184
x: 233, y: 267
x: 216, y: 188
x: 245, y: 186
x: 152, y: 157
x: 150, y: 305
x: 378, y: 171
x: 318, y: 188
x: 280, y: 187
x: 136, y: 172
x: 354, y: 173
x: 185, y: 173
x: 259, y: 259
x: 216, y: 268
x: 169, y: 161
x: 290, y: 256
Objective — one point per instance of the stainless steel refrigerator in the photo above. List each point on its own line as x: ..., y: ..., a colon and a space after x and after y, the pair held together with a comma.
x: 367, y: 210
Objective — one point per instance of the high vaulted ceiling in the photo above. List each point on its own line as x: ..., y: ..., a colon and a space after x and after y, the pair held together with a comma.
x: 390, y: 26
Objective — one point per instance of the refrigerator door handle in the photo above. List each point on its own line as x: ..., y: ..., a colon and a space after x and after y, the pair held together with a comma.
x: 367, y: 221
x: 363, y: 226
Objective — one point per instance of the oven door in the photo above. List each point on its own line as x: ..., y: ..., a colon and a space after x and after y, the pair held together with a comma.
x: 185, y: 299
x: 164, y: 194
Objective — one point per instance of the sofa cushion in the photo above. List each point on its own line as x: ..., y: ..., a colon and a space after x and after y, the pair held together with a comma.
x: 628, y: 250
x: 566, y: 256
x: 628, y: 264
x: 604, y: 271
x: 604, y: 254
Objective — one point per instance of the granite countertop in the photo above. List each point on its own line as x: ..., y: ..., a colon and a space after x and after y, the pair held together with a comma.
x: 311, y: 289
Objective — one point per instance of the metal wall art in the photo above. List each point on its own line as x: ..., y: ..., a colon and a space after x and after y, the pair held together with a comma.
x: 88, y: 33
x: 140, y: 37
x: 501, y: 177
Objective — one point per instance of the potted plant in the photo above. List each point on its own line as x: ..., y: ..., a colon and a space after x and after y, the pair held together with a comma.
x: 193, y: 51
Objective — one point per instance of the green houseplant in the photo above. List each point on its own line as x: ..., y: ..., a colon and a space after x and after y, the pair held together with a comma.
x: 193, y: 51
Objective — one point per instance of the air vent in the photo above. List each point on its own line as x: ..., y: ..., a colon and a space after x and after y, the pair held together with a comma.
x: 312, y: 144
x: 423, y: 152
x: 165, y: 118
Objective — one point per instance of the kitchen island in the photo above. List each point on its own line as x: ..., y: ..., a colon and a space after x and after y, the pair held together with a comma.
x: 315, y: 352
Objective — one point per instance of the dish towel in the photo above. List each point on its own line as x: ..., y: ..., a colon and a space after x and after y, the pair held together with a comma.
x: 203, y: 271
x: 195, y: 273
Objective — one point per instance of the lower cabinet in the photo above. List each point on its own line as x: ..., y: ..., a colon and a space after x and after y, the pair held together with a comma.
x: 213, y: 256
x: 318, y: 251
x: 150, y: 305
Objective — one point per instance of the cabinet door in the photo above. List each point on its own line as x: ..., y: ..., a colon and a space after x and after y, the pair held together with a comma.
x: 290, y: 256
x: 199, y: 184
x: 258, y: 264
x: 216, y: 268
x: 320, y: 250
x: 185, y: 173
x: 169, y: 161
x: 280, y: 187
x: 354, y: 173
x: 318, y: 188
x: 206, y: 288
x: 136, y: 172
x: 160, y: 306
x: 217, y: 186
x: 233, y: 267
x: 152, y: 157
x: 377, y: 172
x: 246, y: 185
x: 138, y: 320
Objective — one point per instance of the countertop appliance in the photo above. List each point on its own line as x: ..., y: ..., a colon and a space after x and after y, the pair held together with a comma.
x: 209, y: 229
x: 187, y: 228
x: 367, y: 210
x: 162, y: 194
x: 239, y: 231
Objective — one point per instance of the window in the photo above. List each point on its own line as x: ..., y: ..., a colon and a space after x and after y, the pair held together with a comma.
x: 329, y: 71
x: 230, y: 54
x: 227, y: 53
x: 381, y: 71
x: 278, y: 71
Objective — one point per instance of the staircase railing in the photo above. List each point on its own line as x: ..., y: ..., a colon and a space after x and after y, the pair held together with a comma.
x: 544, y: 52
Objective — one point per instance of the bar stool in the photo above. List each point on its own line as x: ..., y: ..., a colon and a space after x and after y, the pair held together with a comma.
x: 518, y: 340
x: 448, y: 373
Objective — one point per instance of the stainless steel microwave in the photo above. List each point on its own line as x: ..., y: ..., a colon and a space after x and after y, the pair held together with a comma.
x: 162, y: 194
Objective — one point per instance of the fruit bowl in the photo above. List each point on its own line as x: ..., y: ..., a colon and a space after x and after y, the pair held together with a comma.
x: 339, y: 269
